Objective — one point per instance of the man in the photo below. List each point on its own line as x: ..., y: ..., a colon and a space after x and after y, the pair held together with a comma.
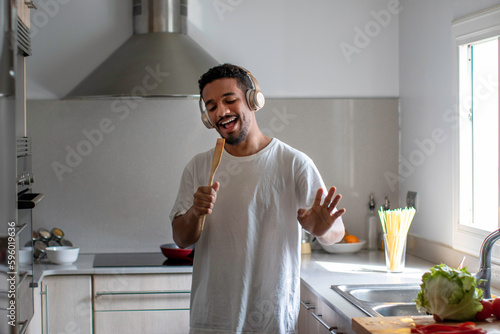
x: 247, y: 263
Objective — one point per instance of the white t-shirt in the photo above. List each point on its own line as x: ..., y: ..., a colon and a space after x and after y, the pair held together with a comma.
x: 247, y: 261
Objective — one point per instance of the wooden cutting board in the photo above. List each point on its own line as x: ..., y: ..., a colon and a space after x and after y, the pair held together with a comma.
x: 400, y: 325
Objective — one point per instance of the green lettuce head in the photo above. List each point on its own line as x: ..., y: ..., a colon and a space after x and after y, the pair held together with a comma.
x: 449, y: 294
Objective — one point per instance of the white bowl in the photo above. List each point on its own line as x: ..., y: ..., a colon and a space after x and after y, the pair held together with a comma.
x: 62, y: 254
x: 25, y: 255
x: 344, y: 248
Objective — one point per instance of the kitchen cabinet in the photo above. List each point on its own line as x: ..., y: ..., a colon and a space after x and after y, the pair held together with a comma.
x: 308, y: 303
x: 330, y: 321
x: 317, y: 317
x: 35, y: 326
x: 147, y: 303
x: 67, y: 304
x: 63, y: 304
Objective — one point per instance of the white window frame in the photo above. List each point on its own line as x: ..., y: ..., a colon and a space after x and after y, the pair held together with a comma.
x: 478, y: 26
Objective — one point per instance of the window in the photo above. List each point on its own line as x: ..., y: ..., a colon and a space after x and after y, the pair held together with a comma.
x: 478, y: 131
x: 476, y: 83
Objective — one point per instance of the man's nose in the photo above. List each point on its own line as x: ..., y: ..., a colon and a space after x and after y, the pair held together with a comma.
x: 222, y: 110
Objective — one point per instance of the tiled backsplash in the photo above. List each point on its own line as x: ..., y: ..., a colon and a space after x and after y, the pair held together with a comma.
x: 110, y: 169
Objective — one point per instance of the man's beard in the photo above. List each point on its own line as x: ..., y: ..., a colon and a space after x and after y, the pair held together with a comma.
x: 235, y: 140
x: 238, y: 138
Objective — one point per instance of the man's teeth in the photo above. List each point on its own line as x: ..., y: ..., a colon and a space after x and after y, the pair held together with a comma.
x: 224, y: 123
x: 228, y: 121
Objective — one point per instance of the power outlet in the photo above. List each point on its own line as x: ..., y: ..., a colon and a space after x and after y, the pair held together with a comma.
x: 411, y: 199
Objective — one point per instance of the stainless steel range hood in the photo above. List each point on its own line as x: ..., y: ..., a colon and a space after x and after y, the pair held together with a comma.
x: 159, y: 60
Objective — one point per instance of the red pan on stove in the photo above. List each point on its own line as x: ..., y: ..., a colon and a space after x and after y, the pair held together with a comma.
x: 173, y: 252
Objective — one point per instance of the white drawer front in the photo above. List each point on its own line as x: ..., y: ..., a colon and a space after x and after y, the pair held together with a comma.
x: 150, y: 322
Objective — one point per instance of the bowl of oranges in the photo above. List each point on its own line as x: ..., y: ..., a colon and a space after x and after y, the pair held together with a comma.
x: 349, y: 244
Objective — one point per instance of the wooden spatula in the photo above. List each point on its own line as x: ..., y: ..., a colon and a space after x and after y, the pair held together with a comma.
x: 219, y: 148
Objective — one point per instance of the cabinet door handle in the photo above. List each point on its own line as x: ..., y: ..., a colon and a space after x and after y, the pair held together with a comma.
x: 307, y: 305
x: 30, y: 4
x: 324, y: 324
x: 118, y: 293
x: 46, y: 293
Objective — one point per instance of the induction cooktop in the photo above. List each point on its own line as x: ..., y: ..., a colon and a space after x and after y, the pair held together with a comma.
x: 135, y: 260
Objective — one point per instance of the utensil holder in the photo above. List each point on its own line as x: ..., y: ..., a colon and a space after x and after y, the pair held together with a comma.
x: 395, y: 252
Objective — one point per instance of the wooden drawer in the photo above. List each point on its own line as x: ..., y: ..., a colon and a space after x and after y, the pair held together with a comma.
x: 142, y: 292
x: 308, y: 305
x: 150, y: 322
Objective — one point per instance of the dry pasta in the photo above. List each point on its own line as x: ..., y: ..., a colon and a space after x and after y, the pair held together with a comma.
x: 395, y: 225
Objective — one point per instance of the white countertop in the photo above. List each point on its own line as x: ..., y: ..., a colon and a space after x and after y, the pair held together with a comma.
x: 319, y: 271
x: 84, y: 266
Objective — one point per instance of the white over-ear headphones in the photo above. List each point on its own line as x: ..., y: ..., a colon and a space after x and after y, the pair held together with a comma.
x: 255, y: 100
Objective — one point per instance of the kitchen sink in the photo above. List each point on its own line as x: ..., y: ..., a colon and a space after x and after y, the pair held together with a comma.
x: 385, y: 294
x: 396, y: 310
x: 384, y: 300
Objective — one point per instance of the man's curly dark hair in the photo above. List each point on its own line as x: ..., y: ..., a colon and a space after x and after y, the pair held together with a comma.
x: 226, y: 71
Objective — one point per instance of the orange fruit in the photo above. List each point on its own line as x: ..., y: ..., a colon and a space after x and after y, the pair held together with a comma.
x: 351, y: 239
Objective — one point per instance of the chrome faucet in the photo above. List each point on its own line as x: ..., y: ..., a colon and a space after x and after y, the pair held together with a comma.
x: 484, y: 272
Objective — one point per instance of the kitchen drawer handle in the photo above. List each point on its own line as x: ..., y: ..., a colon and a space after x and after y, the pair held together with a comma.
x: 307, y: 305
x: 118, y: 293
x: 324, y: 324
